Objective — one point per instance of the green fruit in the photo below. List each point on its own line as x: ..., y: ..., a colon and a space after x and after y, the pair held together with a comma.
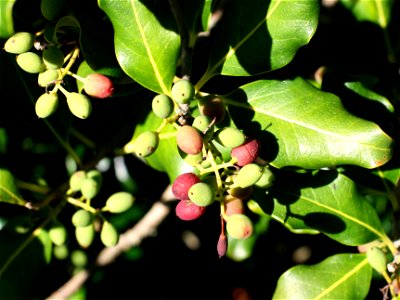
x: 90, y: 188
x: 182, y: 91
x: 53, y: 57
x: 201, y: 194
x: 60, y: 252
x: 266, y: 180
x: 96, y: 175
x: 82, y: 218
x: 239, y: 226
x: 20, y: 42
x: 85, y: 235
x: 248, y: 175
x: 146, y: 143
x: 79, y: 258
x: 119, y: 202
x: 230, y: 137
x: 377, y: 259
x: 51, y: 9
x: 202, y: 123
x: 76, y: 179
x: 30, y: 62
x: 79, y: 105
x: 47, y: 77
x: 58, y: 233
x: 162, y: 106
x: 46, y: 105
x: 109, y: 235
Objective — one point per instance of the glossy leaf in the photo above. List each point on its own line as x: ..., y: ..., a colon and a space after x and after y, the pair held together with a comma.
x: 342, y: 276
x: 6, y: 19
x: 326, y: 202
x: 146, y: 41
x: 260, y: 36
x: 8, y: 190
x: 310, y: 128
x: 196, y: 14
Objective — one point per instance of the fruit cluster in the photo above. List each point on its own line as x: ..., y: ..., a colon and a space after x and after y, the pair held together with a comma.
x: 226, y: 164
x: 52, y: 61
x: 83, y: 187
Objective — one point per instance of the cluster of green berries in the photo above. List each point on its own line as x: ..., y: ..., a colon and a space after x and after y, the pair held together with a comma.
x: 87, y: 220
x: 225, y: 161
x: 52, y: 62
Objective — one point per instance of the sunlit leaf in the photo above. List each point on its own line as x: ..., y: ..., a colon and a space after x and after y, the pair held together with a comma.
x: 305, y: 127
x: 342, y: 276
x: 6, y: 19
x: 8, y: 190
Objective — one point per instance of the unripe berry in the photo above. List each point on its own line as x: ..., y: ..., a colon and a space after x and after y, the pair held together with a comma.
x: 247, y: 152
x: 79, y: 105
x: 82, y: 218
x: 76, y: 179
x: 191, y: 159
x: 30, y: 62
x: 89, y: 188
x: 108, y: 234
x: 19, y: 42
x: 51, y: 9
x: 182, y: 184
x: 98, y: 86
x: 377, y: 259
x: 53, y: 57
x: 146, y: 143
x: 182, y: 91
x: 239, y: 226
x: 85, y: 235
x: 248, y: 175
x: 201, y: 194
x: 230, y: 137
x: 266, y: 180
x: 46, y: 105
x: 58, y: 233
x: 233, y: 205
x: 201, y: 123
x: 162, y: 106
x: 96, y: 175
x: 119, y: 202
x: 60, y: 251
x: 47, y: 77
x: 189, y: 139
x: 79, y: 258
x: 212, y: 106
x: 186, y: 210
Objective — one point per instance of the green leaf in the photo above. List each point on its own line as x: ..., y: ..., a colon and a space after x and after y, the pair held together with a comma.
x: 342, y: 276
x: 196, y: 14
x: 146, y: 41
x: 6, y: 19
x: 310, y: 128
x: 375, y: 11
x: 8, y: 190
x: 259, y: 36
x: 326, y: 202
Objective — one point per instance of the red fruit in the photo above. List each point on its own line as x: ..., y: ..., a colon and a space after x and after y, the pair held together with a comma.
x: 98, y: 86
x: 189, y: 139
x: 233, y: 205
x: 222, y: 245
x: 186, y: 210
x: 182, y: 184
x: 247, y: 152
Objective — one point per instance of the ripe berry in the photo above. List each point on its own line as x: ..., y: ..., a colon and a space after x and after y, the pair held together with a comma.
x: 233, y: 205
x: 182, y: 91
x: 119, y: 202
x: 146, y: 143
x: 98, y: 86
x: 162, y: 106
x: 85, y: 235
x: 30, y: 62
x: 108, y: 234
x: 247, y: 152
x: 19, y: 42
x: 53, y: 57
x: 239, y: 226
x: 79, y: 105
x: 212, y: 106
x: 189, y: 139
x: 230, y: 137
x: 186, y: 210
x: 182, y: 184
x: 46, y: 105
x: 201, y: 194
x: 248, y: 175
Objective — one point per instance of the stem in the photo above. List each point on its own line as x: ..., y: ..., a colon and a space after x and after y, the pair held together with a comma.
x: 85, y: 206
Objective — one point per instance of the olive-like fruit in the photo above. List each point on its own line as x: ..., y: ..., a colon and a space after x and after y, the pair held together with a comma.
x: 189, y: 139
x: 266, y: 180
x: 182, y: 184
x: 186, y: 210
x: 85, y: 235
x: 248, y: 175
x: 30, y: 62
x: 230, y: 137
x: 146, y: 143
x: 182, y: 91
x: 60, y: 251
x: 247, y: 152
x: 76, y: 179
x: 202, y: 123
x: 119, y: 202
x: 201, y: 194
x: 82, y: 218
x: 233, y: 205
x: 377, y: 259
x: 90, y: 188
x: 239, y: 226
x: 98, y: 86
x: 79, y: 258
x: 19, y: 42
x: 162, y: 106
x: 79, y: 105
x: 222, y: 245
x: 108, y: 234
x: 58, y: 233
x: 53, y: 57
x: 47, y: 77
x: 46, y: 105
